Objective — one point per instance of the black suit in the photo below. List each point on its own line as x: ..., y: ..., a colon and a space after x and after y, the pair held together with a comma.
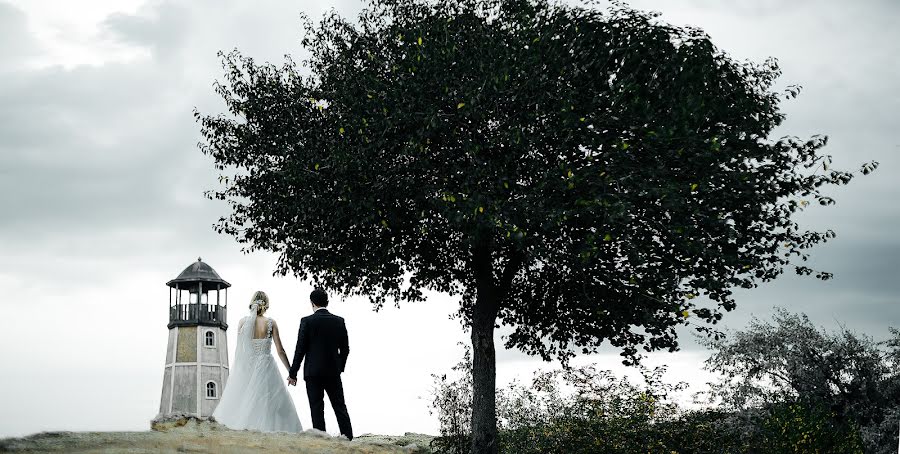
x: 322, y: 339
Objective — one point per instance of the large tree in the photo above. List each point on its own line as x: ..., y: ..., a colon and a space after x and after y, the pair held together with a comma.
x: 581, y: 176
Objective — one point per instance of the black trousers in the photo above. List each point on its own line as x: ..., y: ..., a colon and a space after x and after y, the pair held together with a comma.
x: 316, y: 387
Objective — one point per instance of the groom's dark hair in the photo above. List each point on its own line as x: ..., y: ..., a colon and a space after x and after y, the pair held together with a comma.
x: 319, y: 297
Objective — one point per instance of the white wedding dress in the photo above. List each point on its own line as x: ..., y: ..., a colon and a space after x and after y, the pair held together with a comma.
x: 255, y: 396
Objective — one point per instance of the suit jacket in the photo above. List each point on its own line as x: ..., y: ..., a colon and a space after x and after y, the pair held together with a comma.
x: 322, y: 341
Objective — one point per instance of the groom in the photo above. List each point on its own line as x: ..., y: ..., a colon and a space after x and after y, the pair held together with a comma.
x: 323, y: 340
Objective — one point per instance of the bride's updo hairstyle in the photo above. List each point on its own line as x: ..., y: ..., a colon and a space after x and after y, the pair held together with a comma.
x: 262, y: 300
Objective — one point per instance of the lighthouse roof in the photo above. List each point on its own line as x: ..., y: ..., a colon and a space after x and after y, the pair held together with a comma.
x: 199, y: 272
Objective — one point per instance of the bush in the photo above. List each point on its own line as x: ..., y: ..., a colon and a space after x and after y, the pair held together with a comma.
x: 790, y: 427
x: 583, y: 410
x: 786, y: 387
x: 839, y: 382
x: 705, y: 431
x: 453, y: 404
x: 601, y: 413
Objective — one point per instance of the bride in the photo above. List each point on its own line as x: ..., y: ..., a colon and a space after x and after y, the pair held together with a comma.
x: 255, y: 396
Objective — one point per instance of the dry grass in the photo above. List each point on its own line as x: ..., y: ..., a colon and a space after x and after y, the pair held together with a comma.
x: 209, y: 438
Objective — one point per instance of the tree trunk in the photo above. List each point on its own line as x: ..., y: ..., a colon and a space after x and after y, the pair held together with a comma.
x: 484, y: 379
x: 484, y: 361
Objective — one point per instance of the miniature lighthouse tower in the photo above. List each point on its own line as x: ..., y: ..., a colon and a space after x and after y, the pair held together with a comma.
x: 197, y: 356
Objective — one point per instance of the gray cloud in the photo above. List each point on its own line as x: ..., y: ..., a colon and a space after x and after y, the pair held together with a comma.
x: 781, y: 7
x: 92, y: 148
x: 162, y: 28
x: 102, y: 160
x: 16, y: 42
x: 127, y: 120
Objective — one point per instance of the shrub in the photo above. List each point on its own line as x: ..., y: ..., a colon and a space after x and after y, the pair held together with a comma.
x: 580, y: 410
x: 452, y: 403
x: 791, y: 428
x: 583, y: 410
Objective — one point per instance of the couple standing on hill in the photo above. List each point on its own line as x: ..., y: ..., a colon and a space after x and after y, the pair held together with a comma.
x: 255, y: 397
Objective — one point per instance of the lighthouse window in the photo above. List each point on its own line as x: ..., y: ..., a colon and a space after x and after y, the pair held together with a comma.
x: 210, y: 339
x: 211, y: 390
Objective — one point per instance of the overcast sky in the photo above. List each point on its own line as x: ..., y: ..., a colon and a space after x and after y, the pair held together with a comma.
x: 101, y: 200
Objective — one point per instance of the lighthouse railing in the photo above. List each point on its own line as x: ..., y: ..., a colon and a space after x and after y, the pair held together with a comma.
x: 191, y: 313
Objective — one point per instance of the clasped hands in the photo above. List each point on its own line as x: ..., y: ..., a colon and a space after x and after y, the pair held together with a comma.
x: 292, y: 381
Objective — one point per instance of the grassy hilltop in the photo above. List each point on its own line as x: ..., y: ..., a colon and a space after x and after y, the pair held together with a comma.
x: 208, y: 437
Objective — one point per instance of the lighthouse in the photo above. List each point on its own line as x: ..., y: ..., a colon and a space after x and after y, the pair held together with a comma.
x: 197, y: 355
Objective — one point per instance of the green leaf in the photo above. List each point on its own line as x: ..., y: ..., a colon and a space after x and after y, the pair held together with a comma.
x: 607, y: 237
x: 460, y: 105
x: 420, y: 40
x: 693, y: 187
x: 341, y: 130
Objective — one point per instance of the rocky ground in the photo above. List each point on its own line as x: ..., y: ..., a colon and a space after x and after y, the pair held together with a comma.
x: 208, y: 437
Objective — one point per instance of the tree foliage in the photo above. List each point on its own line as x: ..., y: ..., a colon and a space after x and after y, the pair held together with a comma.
x: 616, y: 167
x: 582, y: 176
x: 840, y: 378
x: 789, y: 358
